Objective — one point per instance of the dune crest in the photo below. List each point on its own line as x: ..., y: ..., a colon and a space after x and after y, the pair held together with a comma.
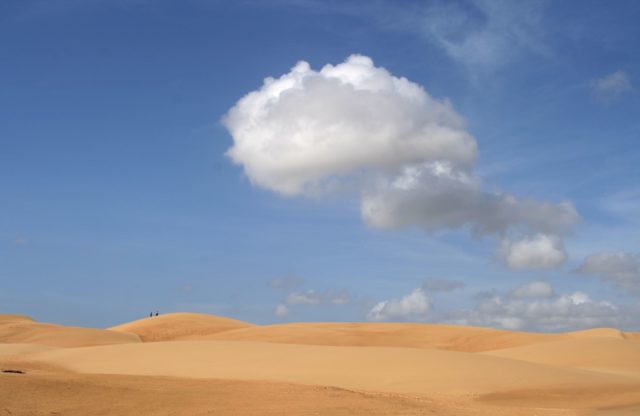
x: 8, y: 317
x: 179, y: 326
x: 18, y: 329
x: 412, y: 335
x: 598, y: 333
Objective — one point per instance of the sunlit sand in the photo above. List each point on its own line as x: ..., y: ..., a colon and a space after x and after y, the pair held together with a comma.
x: 191, y: 364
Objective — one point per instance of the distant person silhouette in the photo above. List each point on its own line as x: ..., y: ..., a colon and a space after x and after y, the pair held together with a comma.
x: 156, y: 313
x: 151, y: 315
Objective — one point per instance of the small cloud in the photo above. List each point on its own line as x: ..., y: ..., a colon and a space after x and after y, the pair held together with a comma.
x: 312, y: 297
x: 286, y: 283
x: 618, y: 268
x: 612, y: 86
x: 539, y: 252
x: 281, y: 310
x: 535, y: 289
x: 413, y: 306
x: 441, y: 285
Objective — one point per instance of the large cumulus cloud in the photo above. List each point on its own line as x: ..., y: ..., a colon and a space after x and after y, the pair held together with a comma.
x: 297, y: 131
x: 407, y: 155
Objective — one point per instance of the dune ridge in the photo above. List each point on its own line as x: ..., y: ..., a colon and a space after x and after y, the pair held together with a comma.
x: 21, y: 329
x: 179, y: 326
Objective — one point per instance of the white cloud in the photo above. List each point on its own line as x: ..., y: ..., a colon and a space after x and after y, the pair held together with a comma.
x: 312, y: 297
x: 281, y: 310
x: 538, y: 252
x: 612, y: 85
x: 619, y: 268
x: 535, y: 289
x: 307, y: 127
x: 406, y: 154
x: 550, y: 313
x: 414, y: 306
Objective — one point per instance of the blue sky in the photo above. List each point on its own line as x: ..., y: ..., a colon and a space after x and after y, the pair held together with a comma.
x: 119, y: 194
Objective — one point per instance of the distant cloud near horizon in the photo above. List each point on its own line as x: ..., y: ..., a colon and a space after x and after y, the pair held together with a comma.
x: 532, y: 306
x: 535, y: 306
x: 311, y: 297
x: 408, y: 156
x: 414, y: 306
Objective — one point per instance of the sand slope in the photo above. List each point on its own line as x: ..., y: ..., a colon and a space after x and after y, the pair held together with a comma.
x: 615, y: 355
x: 116, y: 395
x: 449, y: 337
x: 179, y: 326
x: 399, y: 370
x: 21, y: 329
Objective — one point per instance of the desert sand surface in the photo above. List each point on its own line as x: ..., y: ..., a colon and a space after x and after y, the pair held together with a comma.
x: 202, y: 364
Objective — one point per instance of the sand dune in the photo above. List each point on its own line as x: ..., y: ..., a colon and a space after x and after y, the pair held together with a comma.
x: 179, y: 326
x: 21, y: 329
x: 598, y: 333
x: 614, y: 355
x: 449, y: 337
x: 371, y: 368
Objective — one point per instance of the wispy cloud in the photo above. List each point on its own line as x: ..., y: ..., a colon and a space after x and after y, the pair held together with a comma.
x: 481, y: 35
x: 313, y: 297
x: 612, y: 86
x: 485, y: 34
